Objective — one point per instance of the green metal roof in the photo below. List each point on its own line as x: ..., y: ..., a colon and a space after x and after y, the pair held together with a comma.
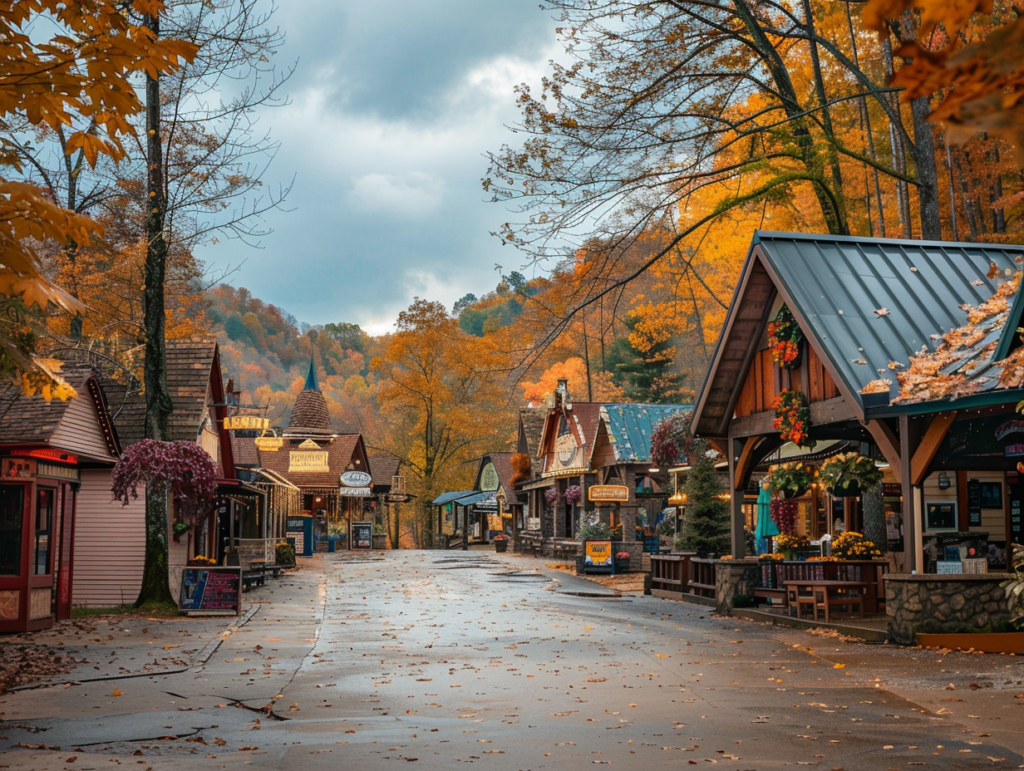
x: 630, y: 427
x: 871, y: 301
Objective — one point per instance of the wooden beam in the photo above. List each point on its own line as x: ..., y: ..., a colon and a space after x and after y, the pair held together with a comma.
x: 929, y: 445
x: 911, y: 516
x: 888, y: 443
x: 742, y: 464
x: 753, y: 425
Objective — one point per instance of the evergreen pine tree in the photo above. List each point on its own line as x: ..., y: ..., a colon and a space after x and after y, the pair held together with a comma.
x: 706, y: 525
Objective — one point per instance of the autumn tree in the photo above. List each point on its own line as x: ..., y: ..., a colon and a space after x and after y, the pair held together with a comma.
x: 77, y: 81
x: 440, y: 398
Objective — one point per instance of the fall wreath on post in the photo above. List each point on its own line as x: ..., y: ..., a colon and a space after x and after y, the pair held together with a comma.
x: 784, y: 338
x: 792, y: 417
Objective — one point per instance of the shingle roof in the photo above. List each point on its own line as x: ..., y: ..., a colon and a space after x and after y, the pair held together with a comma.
x: 532, y: 420
x: 310, y: 416
x: 382, y: 468
x: 243, y: 448
x: 864, y: 302
x: 189, y: 364
x: 630, y: 427
x: 32, y: 419
x: 502, y: 462
x: 340, y: 454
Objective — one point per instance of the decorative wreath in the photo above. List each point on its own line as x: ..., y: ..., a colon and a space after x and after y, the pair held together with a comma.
x: 784, y: 338
x: 792, y: 417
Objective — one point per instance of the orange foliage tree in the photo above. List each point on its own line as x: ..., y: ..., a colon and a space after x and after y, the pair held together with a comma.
x: 78, y: 82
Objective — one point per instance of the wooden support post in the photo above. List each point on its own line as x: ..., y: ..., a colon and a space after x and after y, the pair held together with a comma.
x: 739, y: 546
x: 911, y: 518
x: 888, y: 443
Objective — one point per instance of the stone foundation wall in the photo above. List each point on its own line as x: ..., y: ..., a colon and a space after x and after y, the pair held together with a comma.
x: 959, y: 603
x: 733, y: 577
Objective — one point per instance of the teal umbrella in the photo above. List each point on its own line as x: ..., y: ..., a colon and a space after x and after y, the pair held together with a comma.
x: 766, y: 527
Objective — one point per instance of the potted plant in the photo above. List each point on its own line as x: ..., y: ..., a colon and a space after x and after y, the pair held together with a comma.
x: 501, y: 543
x: 854, y: 546
x: 848, y: 474
x: 790, y: 480
x: 622, y: 562
x: 788, y: 543
x: 284, y: 554
x: 784, y: 339
x: 792, y: 417
x: 201, y: 561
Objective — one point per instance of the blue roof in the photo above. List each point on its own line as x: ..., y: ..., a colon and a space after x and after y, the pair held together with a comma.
x: 311, y: 384
x: 630, y: 427
x: 840, y: 284
x: 463, y: 497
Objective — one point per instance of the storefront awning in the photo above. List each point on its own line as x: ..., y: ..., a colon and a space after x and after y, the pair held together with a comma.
x: 444, y: 498
x: 463, y: 497
x: 236, y: 487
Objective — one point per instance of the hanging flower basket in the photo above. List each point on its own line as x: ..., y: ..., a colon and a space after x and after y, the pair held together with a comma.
x: 784, y: 338
x: 790, y: 480
x: 792, y: 417
x: 551, y: 495
x: 573, y: 494
x: 849, y: 474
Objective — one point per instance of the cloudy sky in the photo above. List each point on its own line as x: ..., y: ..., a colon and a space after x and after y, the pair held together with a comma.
x: 392, y: 107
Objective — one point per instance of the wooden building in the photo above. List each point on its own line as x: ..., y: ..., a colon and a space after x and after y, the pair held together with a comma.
x: 46, y: 447
x: 314, y: 457
x: 110, y: 539
x: 864, y: 308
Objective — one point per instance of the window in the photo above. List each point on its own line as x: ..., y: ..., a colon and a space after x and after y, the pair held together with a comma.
x: 44, y: 524
x: 12, y: 506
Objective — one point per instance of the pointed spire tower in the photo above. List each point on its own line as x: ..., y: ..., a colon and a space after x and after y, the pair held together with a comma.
x: 309, y: 416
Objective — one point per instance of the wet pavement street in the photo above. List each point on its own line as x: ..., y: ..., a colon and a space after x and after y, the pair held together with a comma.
x: 446, y: 658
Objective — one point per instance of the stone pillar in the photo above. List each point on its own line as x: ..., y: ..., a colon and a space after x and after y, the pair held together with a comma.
x: 732, y: 578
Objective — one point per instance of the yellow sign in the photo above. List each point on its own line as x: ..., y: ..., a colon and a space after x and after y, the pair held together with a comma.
x: 598, y: 554
x: 308, y: 462
x: 608, y: 493
x: 246, y: 423
x: 269, y: 443
x: 309, y: 444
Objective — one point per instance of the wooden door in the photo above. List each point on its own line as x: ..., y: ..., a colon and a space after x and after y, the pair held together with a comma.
x: 65, y: 554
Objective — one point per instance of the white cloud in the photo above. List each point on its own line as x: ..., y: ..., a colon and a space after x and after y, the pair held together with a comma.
x: 414, y: 194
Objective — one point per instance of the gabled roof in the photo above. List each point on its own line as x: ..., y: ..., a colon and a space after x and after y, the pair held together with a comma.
x: 861, y: 302
x: 34, y: 420
x: 383, y: 468
x: 193, y: 369
x: 584, y: 417
x: 502, y: 462
x: 342, y: 451
x: 531, y: 427
x: 630, y: 426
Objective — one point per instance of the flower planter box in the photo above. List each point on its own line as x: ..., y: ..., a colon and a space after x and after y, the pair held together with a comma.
x: 501, y: 546
x: 987, y: 642
x: 380, y: 540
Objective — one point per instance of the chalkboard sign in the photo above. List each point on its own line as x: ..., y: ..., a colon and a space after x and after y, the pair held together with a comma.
x: 362, y: 535
x: 974, y: 501
x: 652, y: 544
x: 211, y: 591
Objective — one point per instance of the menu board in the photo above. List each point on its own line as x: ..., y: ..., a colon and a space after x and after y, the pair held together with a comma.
x: 211, y: 591
x: 974, y: 501
x: 362, y: 535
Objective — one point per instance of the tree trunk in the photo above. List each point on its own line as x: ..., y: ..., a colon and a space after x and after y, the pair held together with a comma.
x: 898, y: 149
x: 155, y: 586
x: 874, y: 517
x: 927, y: 175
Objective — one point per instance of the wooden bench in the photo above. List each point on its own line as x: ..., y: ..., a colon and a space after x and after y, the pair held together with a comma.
x: 765, y: 593
x: 254, y: 575
x: 818, y: 597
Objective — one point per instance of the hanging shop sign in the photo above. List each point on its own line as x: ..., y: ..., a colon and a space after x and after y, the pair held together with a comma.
x: 303, y: 462
x: 355, y: 492
x: 246, y: 423
x: 396, y: 498
x: 489, y: 478
x: 355, y: 479
x: 17, y: 468
x: 398, y: 485
x: 608, y: 493
x: 269, y: 443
